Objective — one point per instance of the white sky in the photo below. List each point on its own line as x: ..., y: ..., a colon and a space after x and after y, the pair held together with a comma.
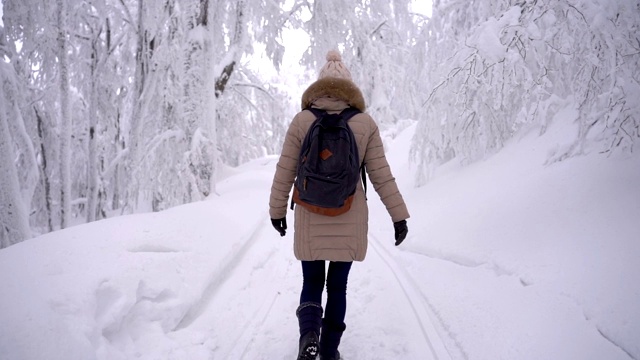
x: 422, y: 7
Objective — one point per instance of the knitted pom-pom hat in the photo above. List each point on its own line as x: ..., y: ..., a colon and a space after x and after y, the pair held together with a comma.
x: 334, y: 67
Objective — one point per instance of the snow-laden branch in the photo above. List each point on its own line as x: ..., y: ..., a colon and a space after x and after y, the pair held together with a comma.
x: 254, y: 86
x: 157, y: 140
x: 113, y: 164
x: 129, y: 18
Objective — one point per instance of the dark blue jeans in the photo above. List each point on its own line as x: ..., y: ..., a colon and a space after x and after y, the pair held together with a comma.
x: 313, y: 273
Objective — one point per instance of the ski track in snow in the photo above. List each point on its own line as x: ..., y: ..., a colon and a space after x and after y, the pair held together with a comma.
x: 239, y: 314
x: 413, y: 295
x: 245, y: 344
x: 258, y: 335
x: 219, y: 278
x: 609, y: 339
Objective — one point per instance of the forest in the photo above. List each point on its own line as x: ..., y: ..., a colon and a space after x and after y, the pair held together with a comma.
x: 111, y: 107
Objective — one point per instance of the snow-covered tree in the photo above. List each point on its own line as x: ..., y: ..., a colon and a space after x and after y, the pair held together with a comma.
x: 195, y: 51
x: 14, y: 216
x: 375, y: 38
x: 495, y: 68
x: 123, y: 104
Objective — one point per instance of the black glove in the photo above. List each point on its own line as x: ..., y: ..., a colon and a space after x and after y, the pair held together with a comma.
x: 401, y: 230
x: 280, y: 225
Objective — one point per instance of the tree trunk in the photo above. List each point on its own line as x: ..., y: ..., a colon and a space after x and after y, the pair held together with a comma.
x: 92, y: 169
x: 220, y: 84
x: 46, y: 180
x: 14, y: 217
x: 136, y: 116
x: 65, y: 118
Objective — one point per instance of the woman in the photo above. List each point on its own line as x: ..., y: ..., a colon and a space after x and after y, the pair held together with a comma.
x: 338, y: 239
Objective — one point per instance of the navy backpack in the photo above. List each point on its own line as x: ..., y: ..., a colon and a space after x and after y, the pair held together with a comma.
x: 328, y: 165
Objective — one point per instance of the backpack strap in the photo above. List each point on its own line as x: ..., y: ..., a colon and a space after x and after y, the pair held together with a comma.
x: 347, y: 114
x: 363, y: 175
x: 316, y: 112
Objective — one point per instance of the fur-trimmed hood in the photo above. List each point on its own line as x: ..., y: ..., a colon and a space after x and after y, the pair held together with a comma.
x: 335, y: 88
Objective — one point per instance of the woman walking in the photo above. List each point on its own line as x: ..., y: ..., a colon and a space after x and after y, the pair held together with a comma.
x: 339, y: 239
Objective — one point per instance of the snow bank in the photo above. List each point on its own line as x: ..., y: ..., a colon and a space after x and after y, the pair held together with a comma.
x: 92, y: 291
x: 535, y: 261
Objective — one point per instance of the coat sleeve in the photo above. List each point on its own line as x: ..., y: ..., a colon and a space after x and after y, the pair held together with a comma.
x: 381, y: 177
x: 285, y: 171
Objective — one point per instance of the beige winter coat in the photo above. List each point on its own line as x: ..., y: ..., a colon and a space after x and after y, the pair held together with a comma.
x: 343, y: 237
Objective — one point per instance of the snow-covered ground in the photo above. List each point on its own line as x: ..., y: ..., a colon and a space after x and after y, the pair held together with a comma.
x: 507, y: 258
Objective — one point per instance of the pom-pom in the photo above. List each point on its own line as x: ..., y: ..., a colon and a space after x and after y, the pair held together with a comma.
x: 333, y: 55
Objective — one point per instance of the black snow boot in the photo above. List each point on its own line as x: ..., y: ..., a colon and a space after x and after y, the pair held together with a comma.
x: 310, y: 319
x: 330, y: 339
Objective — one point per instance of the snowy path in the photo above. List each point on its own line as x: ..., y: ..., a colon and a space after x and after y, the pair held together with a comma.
x: 199, y: 282
x: 416, y: 306
x: 251, y: 315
